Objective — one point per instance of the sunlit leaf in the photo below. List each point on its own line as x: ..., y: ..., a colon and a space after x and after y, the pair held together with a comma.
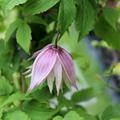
x: 23, y: 36
x: 5, y: 87
x: 16, y: 115
x: 9, y: 4
x: 72, y: 115
x: 14, y: 97
x: 11, y: 29
x: 58, y: 118
x: 38, y: 6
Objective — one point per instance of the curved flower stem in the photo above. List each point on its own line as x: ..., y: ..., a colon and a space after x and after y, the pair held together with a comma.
x: 57, y: 38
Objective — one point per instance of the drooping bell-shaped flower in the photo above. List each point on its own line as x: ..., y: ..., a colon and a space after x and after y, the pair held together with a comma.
x: 53, y: 64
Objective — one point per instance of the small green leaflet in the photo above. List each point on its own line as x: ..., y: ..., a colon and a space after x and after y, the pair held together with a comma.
x: 5, y: 86
x: 111, y: 16
x: 16, y: 115
x: 23, y: 36
x: 58, y: 118
x: 67, y: 11
x: 38, y: 6
x: 83, y: 95
x: 14, y: 97
x: 9, y: 4
x: 85, y: 18
x: 11, y: 29
x: 72, y: 115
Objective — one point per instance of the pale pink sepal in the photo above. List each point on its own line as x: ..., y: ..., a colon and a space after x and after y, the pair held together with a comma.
x: 42, y: 67
x: 50, y: 80
x: 39, y: 51
x: 58, y: 75
x: 68, y: 66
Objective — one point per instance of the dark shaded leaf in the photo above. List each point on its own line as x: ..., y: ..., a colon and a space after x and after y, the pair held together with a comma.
x: 85, y: 18
x: 66, y: 14
x: 107, y: 33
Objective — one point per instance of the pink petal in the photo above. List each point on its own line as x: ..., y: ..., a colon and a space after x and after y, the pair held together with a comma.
x: 58, y: 75
x: 42, y: 67
x: 66, y: 79
x: 68, y: 66
x: 39, y: 51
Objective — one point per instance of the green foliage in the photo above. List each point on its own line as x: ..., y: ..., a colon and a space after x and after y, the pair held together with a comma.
x: 66, y: 14
x: 107, y: 33
x: 27, y: 26
x: 85, y: 18
x: 111, y: 16
x: 11, y: 29
x: 9, y: 4
x: 16, y: 115
x: 112, y: 112
x: 13, y: 98
x: 34, y: 7
x: 23, y: 36
x: 83, y: 95
x: 72, y: 115
x: 36, y: 19
x: 115, y: 119
x: 5, y: 87
x: 39, y: 111
x: 58, y: 118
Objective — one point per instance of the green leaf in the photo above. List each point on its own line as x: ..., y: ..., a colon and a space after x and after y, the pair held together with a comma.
x: 23, y: 36
x: 85, y: 18
x: 16, y: 115
x: 111, y: 112
x: 66, y: 14
x: 83, y: 95
x: 58, y: 118
x: 9, y: 4
x: 38, y: 111
x: 5, y: 87
x: 40, y: 96
x: 83, y: 113
x: 111, y: 16
x: 38, y: 6
x: 72, y: 115
x: 107, y: 33
x: 11, y: 29
x: 37, y: 19
x: 13, y: 98
x: 115, y: 118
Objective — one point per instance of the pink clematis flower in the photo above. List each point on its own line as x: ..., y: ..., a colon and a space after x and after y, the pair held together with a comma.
x: 52, y: 64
